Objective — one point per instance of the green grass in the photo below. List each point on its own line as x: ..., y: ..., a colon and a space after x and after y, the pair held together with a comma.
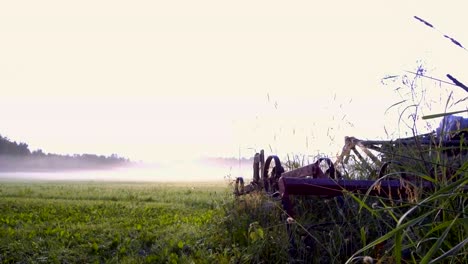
x: 108, y: 222
x: 79, y: 222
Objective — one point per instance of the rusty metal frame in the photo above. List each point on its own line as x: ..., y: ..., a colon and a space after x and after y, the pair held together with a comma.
x: 329, y: 188
x: 310, y: 180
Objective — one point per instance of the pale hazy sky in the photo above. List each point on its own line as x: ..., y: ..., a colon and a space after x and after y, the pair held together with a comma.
x: 154, y: 80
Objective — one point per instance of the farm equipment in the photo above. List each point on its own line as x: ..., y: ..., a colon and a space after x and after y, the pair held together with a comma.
x: 312, y: 180
x: 418, y: 153
x: 399, y: 169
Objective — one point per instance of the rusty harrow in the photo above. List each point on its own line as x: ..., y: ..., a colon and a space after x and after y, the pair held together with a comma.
x: 322, y: 178
x: 270, y: 177
x: 311, y: 180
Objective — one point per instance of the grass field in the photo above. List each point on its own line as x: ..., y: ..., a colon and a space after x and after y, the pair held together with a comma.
x: 102, y: 222
x: 79, y: 222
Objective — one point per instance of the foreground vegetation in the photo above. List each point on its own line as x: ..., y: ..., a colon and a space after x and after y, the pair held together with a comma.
x: 80, y: 222
x: 107, y: 222
x: 101, y: 222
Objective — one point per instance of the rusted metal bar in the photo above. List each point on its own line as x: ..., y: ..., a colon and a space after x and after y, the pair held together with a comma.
x: 351, y: 144
x: 262, y: 166
x: 256, y: 168
x: 270, y: 184
x: 368, y: 153
x: 313, y: 170
x: 360, y: 157
x: 344, y: 156
x: 239, y: 187
x: 332, y: 188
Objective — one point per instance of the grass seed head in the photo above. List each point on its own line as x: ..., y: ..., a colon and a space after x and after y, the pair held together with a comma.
x: 368, y: 260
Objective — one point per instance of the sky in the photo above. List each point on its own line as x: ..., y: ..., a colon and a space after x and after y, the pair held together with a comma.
x: 176, y: 80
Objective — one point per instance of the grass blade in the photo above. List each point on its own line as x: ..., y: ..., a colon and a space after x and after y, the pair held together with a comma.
x: 390, y: 234
x: 439, y: 241
x: 451, y: 252
x: 443, y: 114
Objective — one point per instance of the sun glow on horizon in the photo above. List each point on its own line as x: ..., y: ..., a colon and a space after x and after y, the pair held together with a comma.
x: 158, y: 81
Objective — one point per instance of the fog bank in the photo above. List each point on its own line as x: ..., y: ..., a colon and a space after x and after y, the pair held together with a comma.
x: 171, y: 172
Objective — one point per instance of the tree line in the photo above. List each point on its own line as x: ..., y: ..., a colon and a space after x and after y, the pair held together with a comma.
x: 16, y: 156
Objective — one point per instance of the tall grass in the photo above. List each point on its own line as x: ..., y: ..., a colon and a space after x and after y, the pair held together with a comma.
x: 425, y: 226
x: 431, y: 226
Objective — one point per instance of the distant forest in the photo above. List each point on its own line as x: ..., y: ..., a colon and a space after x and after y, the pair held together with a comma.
x: 18, y: 157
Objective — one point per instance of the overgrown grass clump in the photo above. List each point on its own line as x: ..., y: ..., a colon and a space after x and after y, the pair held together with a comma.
x: 420, y: 226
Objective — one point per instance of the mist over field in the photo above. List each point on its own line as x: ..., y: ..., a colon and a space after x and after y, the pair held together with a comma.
x: 183, y: 171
